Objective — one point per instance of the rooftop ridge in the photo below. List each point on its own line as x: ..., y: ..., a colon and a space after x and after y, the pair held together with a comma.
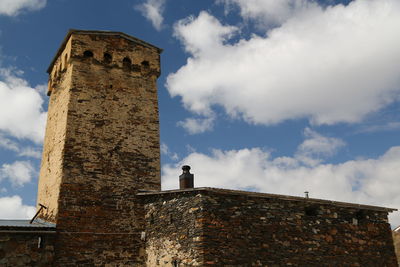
x: 270, y: 195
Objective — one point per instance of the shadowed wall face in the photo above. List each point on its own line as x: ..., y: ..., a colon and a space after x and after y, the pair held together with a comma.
x: 101, y: 145
x: 26, y: 249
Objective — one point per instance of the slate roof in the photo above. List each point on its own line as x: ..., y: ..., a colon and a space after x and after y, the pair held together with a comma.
x: 25, y: 225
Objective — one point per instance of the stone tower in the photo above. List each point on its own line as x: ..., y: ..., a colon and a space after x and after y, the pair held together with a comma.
x: 101, y: 146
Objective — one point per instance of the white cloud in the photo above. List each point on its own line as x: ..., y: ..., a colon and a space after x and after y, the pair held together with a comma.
x: 14, y: 7
x: 389, y: 126
x: 18, y: 173
x: 317, y: 147
x: 166, y: 151
x: 12, y: 208
x: 330, y: 65
x: 42, y: 89
x: 203, y: 35
x: 27, y: 151
x: 31, y: 152
x: 195, y: 126
x: 22, y: 115
x: 8, y: 144
x: 153, y: 11
x: 268, y: 12
x: 367, y: 181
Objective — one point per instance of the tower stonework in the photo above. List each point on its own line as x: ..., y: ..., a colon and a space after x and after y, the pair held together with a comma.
x: 101, y: 146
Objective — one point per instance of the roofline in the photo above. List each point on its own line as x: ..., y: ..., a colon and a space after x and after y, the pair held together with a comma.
x: 14, y: 231
x: 111, y: 33
x: 268, y: 195
x: 25, y: 225
x: 396, y: 229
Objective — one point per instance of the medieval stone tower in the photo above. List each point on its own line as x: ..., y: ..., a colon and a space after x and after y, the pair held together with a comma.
x: 99, y: 199
x: 101, y: 146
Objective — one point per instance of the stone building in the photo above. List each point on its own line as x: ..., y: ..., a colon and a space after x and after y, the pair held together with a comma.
x: 396, y: 239
x: 100, y: 201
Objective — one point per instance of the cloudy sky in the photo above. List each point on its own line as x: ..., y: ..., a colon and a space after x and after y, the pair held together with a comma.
x: 263, y: 95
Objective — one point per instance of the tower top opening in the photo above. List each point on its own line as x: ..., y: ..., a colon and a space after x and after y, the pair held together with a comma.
x: 98, y: 32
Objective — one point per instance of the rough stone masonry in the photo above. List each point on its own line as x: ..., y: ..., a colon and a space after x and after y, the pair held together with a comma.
x: 219, y: 227
x: 101, y: 146
x: 101, y: 191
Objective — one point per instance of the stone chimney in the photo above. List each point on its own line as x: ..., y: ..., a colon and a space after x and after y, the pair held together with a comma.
x: 186, y: 179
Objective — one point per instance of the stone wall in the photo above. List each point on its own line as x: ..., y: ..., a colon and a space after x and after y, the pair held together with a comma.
x: 396, y: 239
x: 174, y: 229
x: 52, y: 156
x: 101, y: 146
x: 21, y: 249
x: 211, y: 227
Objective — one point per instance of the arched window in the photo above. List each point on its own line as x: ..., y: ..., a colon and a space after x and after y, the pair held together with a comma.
x: 107, y: 58
x: 55, y: 72
x: 65, y: 61
x: 88, y: 53
x: 126, y: 63
x: 58, y: 71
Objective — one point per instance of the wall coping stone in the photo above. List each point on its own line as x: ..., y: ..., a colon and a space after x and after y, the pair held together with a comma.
x: 230, y: 192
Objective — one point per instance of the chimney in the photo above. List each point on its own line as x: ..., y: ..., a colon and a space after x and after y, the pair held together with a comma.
x: 186, y: 179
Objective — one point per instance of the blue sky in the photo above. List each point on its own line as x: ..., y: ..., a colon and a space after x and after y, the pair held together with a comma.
x: 272, y: 96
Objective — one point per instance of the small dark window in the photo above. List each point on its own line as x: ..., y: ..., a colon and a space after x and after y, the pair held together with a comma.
x: 145, y: 63
x: 311, y: 211
x: 40, y: 242
x: 59, y: 71
x: 175, y: 263
x: 107, y: 58
x: 151, y: 219
x: 360, y: 215
x: 65, y: 61
x: 88, y: 53
x: 126, y: 63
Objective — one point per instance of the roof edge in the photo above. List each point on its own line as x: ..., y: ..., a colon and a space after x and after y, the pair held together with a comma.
x: 38, y: 224
x: 268, y: 195
x: 102, y: 32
